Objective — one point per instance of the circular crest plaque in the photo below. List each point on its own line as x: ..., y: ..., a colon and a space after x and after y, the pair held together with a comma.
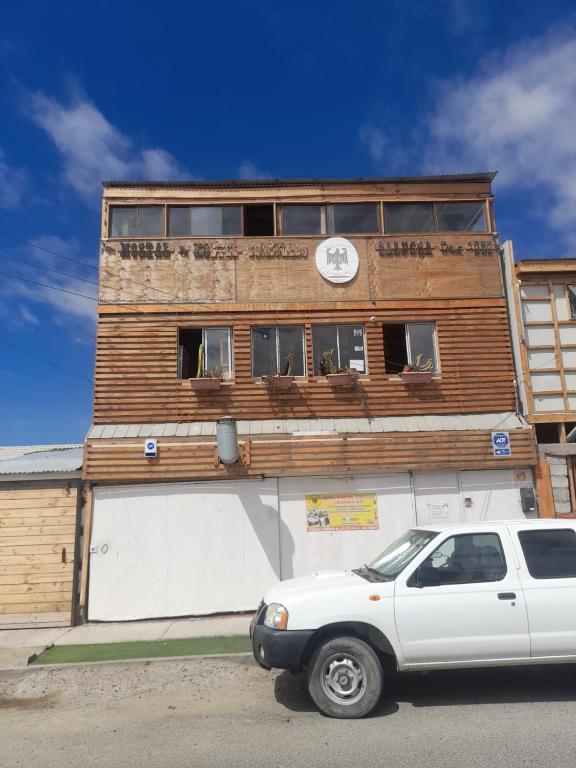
x: 337, y: 260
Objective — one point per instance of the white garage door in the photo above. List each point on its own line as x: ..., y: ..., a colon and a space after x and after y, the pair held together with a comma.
x: 185, y: 549
x: 307, y: 548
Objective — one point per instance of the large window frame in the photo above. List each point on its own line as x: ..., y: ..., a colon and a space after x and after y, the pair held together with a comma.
x: 205, y: 331
x: 409, y: 343
x: 136, y: 208
x: 278, y: 362
x: 317, y: 351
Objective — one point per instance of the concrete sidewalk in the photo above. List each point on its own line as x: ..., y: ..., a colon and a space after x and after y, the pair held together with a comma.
x: 17, y: 645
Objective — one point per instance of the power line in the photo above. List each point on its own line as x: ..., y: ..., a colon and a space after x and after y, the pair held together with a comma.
x: 101, y: 269
x: 49, y: 269
x: 46, y: 362
x: 45, y: 285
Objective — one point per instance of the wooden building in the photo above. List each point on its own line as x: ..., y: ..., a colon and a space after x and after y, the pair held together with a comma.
x: 544, y: 316
x: 41, y: 502
x: 356, y: 331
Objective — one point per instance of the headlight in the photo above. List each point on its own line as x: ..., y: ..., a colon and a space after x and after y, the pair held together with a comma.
x: 276, y: 616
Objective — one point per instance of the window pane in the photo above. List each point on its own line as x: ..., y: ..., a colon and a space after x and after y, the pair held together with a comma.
x: 324, y: 339
x: 357, y: 217
x: 291, y: 350
x: 217, y: 352
x: 421, y: 346
x: 263, y: 351
x: 215, y: 220
x: 550, y: 554
x: 461, y: 217
x: 301, y: 219
x: 123, y: 222
x: 178, y: 221
x: 395, y: 350
x: 466, y: 559
x: 231, y: 220
x: 150, y: 222
x: 408, y: 217
x: 351, y: 343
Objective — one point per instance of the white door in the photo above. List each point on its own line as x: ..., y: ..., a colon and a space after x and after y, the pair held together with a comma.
x: 306, y: 548
x: 182, y: 549
x: 490, y: 495
x: 548, y: 575
x: 437, y: 496
x: 463, y: 603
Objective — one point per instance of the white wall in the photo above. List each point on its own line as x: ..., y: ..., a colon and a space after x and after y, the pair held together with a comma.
x: 176, y: 550
x: 200, y: 548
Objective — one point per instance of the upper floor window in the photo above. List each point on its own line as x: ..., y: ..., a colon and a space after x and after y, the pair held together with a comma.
x: 361, y: 218
x: 302, y: 219
x: 339, y: 218
x: 136, y: 221
x: 338, y: 348
x: 400, y: 218
x: 278, y: 350
x: 204, y: 352
x: 412, y: 344
x: 461, y: 217
x: 204, y: 220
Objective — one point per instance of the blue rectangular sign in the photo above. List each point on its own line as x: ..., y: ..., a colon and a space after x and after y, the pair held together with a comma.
x: 501, y: 444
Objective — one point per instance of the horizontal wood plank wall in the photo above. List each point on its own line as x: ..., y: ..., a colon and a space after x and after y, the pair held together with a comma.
x: 137, y: 357
x: 114, y: 461
x: 35, y: 585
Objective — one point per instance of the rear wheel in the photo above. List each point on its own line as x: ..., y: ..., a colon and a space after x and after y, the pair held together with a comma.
x: 345, y: 678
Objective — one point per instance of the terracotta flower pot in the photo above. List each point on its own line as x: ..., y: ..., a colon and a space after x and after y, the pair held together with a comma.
x: 416, y: 377
x: 278, y: 382
x: 205, y: 383
x: 341, y: 379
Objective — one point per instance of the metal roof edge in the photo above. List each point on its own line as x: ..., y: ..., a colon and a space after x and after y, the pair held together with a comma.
x: 480, y: 177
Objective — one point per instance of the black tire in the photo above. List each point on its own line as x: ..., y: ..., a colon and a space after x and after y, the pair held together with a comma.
x: 345, y: 678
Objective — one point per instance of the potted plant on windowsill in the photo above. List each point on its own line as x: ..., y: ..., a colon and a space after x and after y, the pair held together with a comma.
x: 336, y: 377
x: 204, y: 379
x: 281, y: 380
x: 418, y: 372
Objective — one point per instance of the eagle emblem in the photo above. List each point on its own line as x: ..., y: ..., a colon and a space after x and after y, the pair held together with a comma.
x: 337, y: 256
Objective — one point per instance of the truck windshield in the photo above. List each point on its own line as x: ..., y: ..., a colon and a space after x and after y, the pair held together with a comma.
x: 397, y: 556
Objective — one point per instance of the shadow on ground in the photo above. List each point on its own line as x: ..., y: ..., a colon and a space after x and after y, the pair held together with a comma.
x: 507, y: 685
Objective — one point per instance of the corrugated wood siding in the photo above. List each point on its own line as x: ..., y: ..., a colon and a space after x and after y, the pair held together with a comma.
x: 194, y: 458
x: 136, y: 365
x: 35, y: 585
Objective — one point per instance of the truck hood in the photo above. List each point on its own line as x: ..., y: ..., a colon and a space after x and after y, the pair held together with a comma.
x: 320, y: 581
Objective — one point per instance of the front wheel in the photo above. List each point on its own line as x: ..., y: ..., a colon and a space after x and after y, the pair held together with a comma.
x: 345, y: 678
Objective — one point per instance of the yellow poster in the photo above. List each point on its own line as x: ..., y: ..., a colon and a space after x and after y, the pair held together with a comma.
x: 342, y: 512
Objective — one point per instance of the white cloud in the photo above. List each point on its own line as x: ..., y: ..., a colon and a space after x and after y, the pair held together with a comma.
x: 249, y: 171
x: 93, y: 150
x: 516, y: 116
x: 12, y: 184
x: 19, y: 298
x: 375, y: 141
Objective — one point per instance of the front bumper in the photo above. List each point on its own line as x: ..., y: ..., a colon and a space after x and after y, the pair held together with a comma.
x: 278, y: 648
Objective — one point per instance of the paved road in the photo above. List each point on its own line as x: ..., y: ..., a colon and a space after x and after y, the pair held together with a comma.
x: 219, y: 712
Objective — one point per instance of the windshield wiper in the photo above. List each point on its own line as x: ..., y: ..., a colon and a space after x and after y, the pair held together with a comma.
x: 372, y: 571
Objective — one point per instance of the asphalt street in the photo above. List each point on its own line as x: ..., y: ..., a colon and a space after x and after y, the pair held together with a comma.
x: 228, y: 712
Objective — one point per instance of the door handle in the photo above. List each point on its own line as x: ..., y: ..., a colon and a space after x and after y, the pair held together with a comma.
x: 506, y: 595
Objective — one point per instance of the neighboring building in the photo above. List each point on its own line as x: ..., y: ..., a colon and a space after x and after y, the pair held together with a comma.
x: 545, y: 327
x: 40, y: 522
x: 266, y: 288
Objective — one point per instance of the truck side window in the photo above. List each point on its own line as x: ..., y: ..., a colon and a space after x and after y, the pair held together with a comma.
x: 464, y: 559
x: 549, y: 554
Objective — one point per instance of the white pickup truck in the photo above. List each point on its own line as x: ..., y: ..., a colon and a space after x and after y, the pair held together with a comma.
x: 482, y: 594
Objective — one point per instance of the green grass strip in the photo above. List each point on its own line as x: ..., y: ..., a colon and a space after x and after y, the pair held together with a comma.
x: 143, y: 649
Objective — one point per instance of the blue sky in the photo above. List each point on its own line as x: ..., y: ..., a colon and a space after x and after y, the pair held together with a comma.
x: 99, y: 90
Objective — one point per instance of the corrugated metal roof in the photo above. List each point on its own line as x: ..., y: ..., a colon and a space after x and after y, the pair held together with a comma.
x: 35, y: 459
x: 430, y: 423
x: 481, y: 176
